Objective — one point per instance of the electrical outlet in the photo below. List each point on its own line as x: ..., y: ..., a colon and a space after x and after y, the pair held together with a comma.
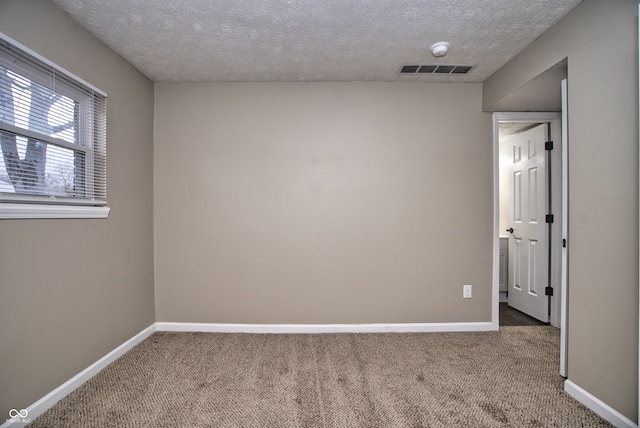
x: 467, y: 291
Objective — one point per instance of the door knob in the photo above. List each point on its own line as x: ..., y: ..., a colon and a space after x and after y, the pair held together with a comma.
x: 510, y: 230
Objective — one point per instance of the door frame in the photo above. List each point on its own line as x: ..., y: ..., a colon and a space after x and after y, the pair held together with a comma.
x: 559, y: 305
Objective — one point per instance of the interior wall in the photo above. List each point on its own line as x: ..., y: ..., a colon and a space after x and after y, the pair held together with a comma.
x: 322, y: 203
x: 503, y: 184
x: 599, y: 39
x: 73, y: 290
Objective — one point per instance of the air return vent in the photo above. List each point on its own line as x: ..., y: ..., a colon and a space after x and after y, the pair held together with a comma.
x: 435, y: 69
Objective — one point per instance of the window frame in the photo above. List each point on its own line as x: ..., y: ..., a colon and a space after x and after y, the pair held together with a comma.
x: 24, y: 206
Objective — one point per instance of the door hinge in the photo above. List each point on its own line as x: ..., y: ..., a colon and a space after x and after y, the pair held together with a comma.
x: 549, y: 218
x: 548, y: 145
x: 548, y: 291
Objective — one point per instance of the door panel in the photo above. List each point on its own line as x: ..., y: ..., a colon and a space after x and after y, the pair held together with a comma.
x: 517, y: 197
x: 533, y: 267
x: 528, y: 245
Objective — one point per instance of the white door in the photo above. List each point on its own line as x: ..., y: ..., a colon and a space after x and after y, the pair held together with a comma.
x: 528, y: 246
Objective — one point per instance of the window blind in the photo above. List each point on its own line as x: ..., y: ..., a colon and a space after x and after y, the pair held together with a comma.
x: 52, y: 132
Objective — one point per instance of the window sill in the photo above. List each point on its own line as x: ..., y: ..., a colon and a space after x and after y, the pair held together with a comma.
x: 33, y: 211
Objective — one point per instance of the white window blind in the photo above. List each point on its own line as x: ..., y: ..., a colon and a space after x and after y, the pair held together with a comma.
x: 52, y: 133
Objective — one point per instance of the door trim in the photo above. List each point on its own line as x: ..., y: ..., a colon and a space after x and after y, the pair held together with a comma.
x: 564, y: 264
x: 498, y: 117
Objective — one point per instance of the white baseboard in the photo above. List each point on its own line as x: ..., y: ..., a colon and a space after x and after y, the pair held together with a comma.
x: 40, y: 406
x: 598, y: 406
x: 325, y: 328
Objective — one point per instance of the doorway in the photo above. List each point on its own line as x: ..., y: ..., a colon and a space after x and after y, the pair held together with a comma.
x: 550, y: 283
x: 529, y: 180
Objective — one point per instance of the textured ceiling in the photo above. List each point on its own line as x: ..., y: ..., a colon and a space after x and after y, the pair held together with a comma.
x: 313, y: 40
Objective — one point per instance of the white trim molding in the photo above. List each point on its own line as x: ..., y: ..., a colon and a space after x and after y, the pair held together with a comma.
x: 325, y: 328
x: 32, y: 211
x: 598, y: 406
x: 46, y: 402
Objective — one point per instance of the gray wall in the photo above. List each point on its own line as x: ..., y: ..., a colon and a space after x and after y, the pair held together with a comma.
x: 599, y: 38
x: 73, y: 290
x: 322, y: 203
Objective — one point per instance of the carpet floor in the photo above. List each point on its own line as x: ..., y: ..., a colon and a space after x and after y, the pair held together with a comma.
x: 482, y: 379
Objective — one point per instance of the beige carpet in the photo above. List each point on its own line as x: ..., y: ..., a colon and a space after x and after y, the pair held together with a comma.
x: 490, y: 379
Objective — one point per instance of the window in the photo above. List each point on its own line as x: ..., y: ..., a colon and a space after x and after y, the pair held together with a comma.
x: 52, y: 139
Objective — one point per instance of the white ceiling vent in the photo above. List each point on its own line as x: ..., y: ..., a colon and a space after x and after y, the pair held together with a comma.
x: 435, y: 69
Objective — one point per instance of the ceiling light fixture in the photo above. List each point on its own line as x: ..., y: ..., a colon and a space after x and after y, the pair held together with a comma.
x: 440, y: 49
